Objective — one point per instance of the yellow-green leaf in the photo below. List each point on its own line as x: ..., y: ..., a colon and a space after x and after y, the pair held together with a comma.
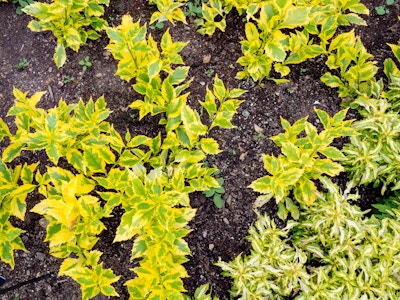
x: 210, y: 146
x: 295, y: 17
x: 59, y: 55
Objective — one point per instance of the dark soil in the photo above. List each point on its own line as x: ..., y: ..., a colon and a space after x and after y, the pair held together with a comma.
x: 217, y: 233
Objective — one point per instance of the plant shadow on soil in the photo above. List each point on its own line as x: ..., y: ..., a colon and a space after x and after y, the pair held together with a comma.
x: 217, y: 233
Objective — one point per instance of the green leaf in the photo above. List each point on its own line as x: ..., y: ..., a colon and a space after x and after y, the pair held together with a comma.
x: 326, y: 166
x: 154, y: 68
x: 210, y: 146
x: 332, y: 153
x: 251, y: 32
x: 295, y: 17
x: 276, y: 51
x: 395, y: 50
x: 178, y: 75
x: 12, y: 151
x: 332, y: 81
x: 218, y: 201
x: 192, y: 122
x: 190, y: 156
x: 93, y: 161
x: 291, y: 151
x: 59, y: 55
x: 304, y: 191
x: 131, y: 224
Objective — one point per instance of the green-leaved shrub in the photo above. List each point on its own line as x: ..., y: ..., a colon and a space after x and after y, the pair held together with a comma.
x: 71, y: 21
x: 332, y: 252
x: 306, y: 155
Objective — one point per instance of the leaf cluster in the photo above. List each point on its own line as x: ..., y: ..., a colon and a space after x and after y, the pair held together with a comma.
x: 20, y: 5
x: 72, y: 22
x: 168, y: 10
x: 281, y: 33
x: 373, y: 156
x: 356, y: 71
x: 383, y: 207
x: 16, y: 184
x: 334, y: 252
x: 304, y: 159
x: 150, y: 178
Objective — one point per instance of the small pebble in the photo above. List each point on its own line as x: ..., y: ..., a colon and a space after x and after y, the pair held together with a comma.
x: 43, y: 222
x: 226, y: 221
x: 242, y: 156
x: 211, y: 247
x: 206, y: 59
x: 106, y: 54
x: 40, y: 256
x: 204, y: 233
x: 258, y: 129
x: 245, y: 114
x: 98, y: 75
x: 229, y: 200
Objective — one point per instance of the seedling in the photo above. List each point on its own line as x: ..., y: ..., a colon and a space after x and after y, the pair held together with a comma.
x: 232, y: 151
x: 209, y: 72
x: 193, y: 9
x: 21, y: 5
x: 68, y: 79
x: 216, y: 193
x: 23, y: 63
x: 259, y: 137
x: 85, y: 63
x: 158, y: 25
x: 381, y: 10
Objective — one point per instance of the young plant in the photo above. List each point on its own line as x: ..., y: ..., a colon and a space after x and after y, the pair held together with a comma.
x: 168, y: 10
x: 76, y: 133
x: 68, y: 79
x: 382, y: 10
x: 176, y: 159
x: 193, y: 9
x: 21, y: 4
x: 216, y: 193
x: 211, y: 11
x: 16, y: 184
x: 72, y: 23
x: 332, y: 252
x: 209, y: 72
x: 85, y: 63
x: 23, y: 63
x: 357, y: 71
x: 374, y: 155
x: 271, y: 43
x: 303, y: 160
x: 158, y: 25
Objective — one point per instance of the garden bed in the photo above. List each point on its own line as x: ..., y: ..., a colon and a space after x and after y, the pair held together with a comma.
x: 217, y: 234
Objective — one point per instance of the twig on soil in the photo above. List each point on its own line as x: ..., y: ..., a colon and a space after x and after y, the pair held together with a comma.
x: 32, y: 280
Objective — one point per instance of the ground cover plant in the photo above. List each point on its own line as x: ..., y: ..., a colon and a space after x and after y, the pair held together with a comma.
x: 113, y: 190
